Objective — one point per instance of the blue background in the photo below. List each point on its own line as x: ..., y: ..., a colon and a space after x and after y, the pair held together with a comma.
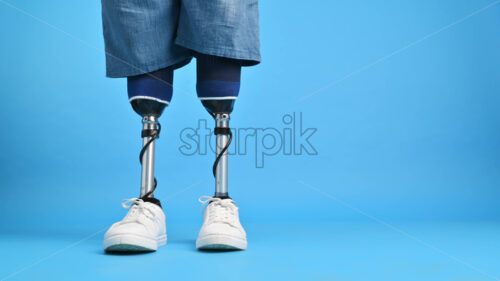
x: 405, y: 185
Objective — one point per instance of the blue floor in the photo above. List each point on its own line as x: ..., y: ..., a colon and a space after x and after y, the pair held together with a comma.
x: 313, y: 251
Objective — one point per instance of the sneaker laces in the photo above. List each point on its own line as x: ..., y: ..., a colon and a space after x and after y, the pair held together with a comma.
x: 137, y: 208
x: 222, y: 210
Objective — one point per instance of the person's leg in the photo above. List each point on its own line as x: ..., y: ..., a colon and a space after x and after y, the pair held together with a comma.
x: 225, y: 36
x: 218, y: 84
x: 149, y: 94
x: 139, y: 39
x: 143, y: 229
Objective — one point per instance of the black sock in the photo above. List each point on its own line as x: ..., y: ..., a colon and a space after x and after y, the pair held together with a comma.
x: 152, y: 200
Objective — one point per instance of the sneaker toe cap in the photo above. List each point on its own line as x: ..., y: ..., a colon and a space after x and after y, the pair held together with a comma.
x: 126, y: 228
x: 222, y: 228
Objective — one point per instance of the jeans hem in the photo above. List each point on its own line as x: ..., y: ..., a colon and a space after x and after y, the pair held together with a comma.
x: 248, y: 58
x: 146, y: 68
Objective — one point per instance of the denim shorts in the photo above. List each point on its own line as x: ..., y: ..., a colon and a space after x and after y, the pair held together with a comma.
x: 142, y: 36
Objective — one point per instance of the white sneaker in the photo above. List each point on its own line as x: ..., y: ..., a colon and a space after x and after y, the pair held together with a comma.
x: 142, y: 229
x: 221, y: 228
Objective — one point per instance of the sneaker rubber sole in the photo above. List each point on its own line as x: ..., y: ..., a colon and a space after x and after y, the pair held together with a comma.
x: 220, y: 242
x: 133, y: 243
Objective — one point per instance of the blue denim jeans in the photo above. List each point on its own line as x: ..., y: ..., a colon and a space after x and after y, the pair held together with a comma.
x: 142, y: 36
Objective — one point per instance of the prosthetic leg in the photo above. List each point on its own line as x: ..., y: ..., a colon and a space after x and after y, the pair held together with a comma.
x: 143, y: 228
x: 217, y: 87
x: 220, y: 111
x: 150, y: 132
x: 149, y: 94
